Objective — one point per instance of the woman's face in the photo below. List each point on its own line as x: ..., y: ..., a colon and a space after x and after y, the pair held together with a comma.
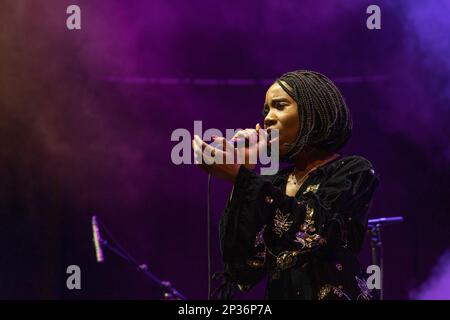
x: 280, y: 112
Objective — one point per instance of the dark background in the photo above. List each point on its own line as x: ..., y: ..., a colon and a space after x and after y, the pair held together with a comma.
x: 86, y: 118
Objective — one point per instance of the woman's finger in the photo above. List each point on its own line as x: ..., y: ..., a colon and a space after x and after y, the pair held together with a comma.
x: 210, y: 154
x: 198, y: 157
x: 203, y: 145
x: 198, y: 152
x: 252, y: 136
x: 242, y: 134
x: 225, y: 150
x: 207, y: 152
x: 246, y: 134
x: 262, y: 136
x: 223, y: 144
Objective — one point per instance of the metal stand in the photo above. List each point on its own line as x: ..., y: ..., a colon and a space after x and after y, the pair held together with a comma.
x: 169, y: 292
x: 376, y: 244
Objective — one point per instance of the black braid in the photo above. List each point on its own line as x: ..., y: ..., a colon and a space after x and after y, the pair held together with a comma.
x: 325, y: 121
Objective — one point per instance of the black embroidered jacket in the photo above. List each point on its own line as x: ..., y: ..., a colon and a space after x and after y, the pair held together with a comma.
x: 308, y: 244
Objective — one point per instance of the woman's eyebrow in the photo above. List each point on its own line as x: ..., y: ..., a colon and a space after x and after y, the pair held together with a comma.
x: 279, y: 99
x: 276, y: 99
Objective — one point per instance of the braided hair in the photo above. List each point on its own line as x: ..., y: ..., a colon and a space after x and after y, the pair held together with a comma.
x: 325, y: 121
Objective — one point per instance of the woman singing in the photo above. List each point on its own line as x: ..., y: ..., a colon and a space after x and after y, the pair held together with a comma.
x: 305, y: 225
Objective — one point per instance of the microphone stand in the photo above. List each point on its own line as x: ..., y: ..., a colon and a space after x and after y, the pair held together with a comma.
x: 169, y: 292
x: 376, y: 244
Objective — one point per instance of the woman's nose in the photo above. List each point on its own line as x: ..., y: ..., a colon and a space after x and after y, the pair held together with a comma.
x: 269, y: 121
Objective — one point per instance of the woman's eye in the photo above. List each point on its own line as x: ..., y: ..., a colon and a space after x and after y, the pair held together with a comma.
x: 277, y: 105
x: 280, y: 105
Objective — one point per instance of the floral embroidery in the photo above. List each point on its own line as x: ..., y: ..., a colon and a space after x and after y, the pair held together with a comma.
x: 287, y: 259
x: 328, y: 288
x: 324, y: 291
x: 259, y: 237
x: 256, y: 264
x: 365, y: 292
x: 283, y: 261
x: 244, y: 287
x: 312, y: 188
x: 260, y: 256
x: 306, y: 236
x: 281, y: 223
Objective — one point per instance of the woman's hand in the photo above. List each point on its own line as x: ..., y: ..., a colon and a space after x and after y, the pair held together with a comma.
x: 207, y: 158
x: 252, y: 145
x: 214, y: 160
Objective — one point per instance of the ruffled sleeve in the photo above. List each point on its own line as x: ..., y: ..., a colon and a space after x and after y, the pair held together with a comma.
x: 240, y: 232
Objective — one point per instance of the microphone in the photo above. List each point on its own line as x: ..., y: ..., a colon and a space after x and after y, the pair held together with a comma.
x: 385, y: 221
x: 234, y: 142
x: 269, y: 134
x: 97, y: 240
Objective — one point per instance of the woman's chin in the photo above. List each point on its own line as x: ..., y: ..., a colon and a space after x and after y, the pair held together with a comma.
x: 283, y: 147
x: 283, y: 150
